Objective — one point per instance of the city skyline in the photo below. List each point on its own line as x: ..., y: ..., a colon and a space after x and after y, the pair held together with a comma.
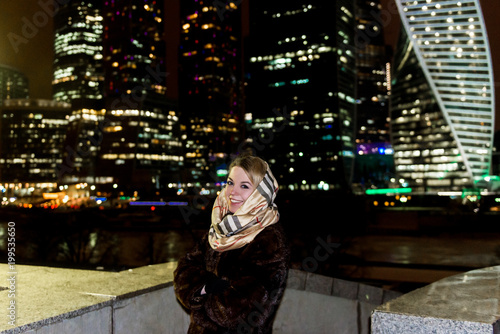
x: 26, y: 41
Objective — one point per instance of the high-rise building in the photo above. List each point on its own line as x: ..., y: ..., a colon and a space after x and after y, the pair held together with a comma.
x: 84, y: 136
x: 134, y: 51
x: 78, y: 52
x: 301, y: 91
x: 140, y: 147
x: 372, y: 57
x: 78, y: 79
x: 13, y: 84
x: 210, y: 87
x: 32, y: 143
x: 374, y: 164
x: 124, y: 134
x: 442, y: 98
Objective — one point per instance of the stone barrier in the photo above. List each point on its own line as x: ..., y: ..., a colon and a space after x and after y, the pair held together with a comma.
x: 45, y: 300
x: 460, y: 304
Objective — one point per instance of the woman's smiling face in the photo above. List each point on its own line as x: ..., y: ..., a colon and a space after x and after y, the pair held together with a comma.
x: 238, y: 189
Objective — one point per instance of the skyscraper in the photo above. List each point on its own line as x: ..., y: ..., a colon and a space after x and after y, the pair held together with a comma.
x: 301, y: 91
x: 110, y: 64
x: 78, y: 72
x: 13, y: 84
x: 82, y: 145
x: 374, y: 164
x: 31, y: 147
x: 78, y: 79
x: 442, y: 114
x: 210, y: 87
x: 134, y: 51
x: 140, y: 148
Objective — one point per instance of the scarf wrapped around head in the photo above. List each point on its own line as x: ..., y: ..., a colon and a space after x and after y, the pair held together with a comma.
x: 232, y: 231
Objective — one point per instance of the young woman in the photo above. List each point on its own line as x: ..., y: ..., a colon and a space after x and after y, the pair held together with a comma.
x: 234, y: 279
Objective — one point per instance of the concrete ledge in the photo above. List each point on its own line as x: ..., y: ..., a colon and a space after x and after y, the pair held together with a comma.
x: 310, y: 282
x: 47, y: 295
x: 315, y: 303
x: 142, y: 300
x: 463, y: 303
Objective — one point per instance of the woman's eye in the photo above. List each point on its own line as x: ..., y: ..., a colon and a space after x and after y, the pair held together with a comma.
x: 244, y: 186
x: 230, y: 183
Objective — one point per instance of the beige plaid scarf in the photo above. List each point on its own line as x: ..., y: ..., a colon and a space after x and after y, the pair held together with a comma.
x: 232, y: 231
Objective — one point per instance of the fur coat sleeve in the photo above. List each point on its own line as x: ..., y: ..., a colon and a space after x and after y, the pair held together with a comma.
x: 249, y: 281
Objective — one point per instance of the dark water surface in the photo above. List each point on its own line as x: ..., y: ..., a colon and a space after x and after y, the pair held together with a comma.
x: 335, y: 236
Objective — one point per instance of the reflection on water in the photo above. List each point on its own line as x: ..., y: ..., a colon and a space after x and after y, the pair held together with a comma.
x: 94, y: 239
x: 141, y: 248
x: 126, y: 238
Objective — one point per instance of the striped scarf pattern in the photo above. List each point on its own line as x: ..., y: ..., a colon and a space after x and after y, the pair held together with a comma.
x: 233, y: 231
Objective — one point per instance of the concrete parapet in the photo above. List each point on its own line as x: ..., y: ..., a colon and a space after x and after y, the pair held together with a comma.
x: 57, y: 300
x: 320, y: 304
x: 461, y: 304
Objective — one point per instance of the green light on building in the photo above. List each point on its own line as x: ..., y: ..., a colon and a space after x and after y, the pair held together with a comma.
x: 221, y: 172
x: 386, y: 191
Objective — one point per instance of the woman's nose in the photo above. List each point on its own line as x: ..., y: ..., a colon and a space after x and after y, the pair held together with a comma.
x: 232, y: 190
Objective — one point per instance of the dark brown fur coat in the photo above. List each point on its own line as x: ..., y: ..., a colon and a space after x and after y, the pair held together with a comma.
x: 247, y: 283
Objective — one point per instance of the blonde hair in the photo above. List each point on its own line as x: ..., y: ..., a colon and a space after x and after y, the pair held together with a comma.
x: 254, y: 167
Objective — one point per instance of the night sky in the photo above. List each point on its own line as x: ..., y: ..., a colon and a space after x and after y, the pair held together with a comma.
x: 34, y: 54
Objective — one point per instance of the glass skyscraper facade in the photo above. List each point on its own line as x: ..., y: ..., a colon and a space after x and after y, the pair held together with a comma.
x: 301, y: 91
x: 32, y: 143
x: 442, y: 113
x: 372, y: 57
x: 141, y: 147
x: 13, y: 84
x: 374, y: 165
x: 210, y: 88
x: 134, y: 51
x: 78, y: 52
x: 110, y: 64
x: 78, y: 79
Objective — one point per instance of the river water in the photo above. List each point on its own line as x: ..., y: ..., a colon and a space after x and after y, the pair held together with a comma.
x: 340, y: 239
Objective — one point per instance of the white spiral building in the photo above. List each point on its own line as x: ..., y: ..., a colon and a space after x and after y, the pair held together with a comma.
x: 442, y: 102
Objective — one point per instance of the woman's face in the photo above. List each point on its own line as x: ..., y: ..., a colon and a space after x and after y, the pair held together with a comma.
x: 238, y: 189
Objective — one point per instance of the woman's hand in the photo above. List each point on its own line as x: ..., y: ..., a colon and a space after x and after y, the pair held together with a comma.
x: 215, y: 285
